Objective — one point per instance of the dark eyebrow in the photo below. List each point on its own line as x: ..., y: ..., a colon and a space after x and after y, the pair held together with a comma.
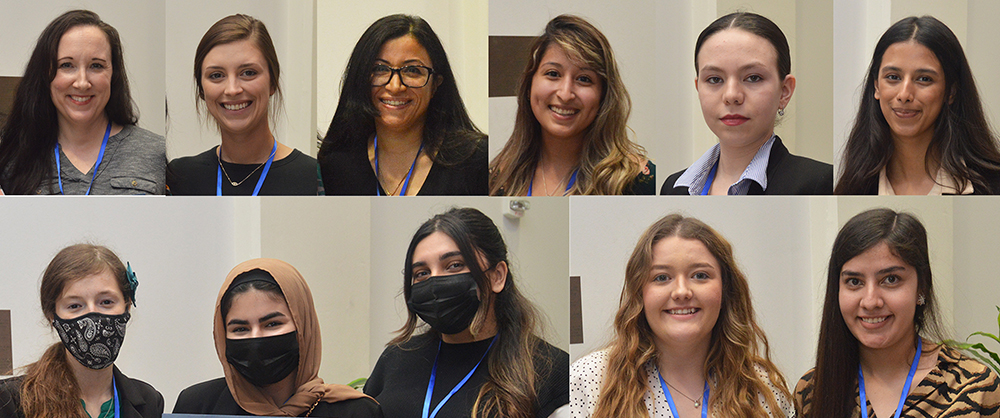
x: 269, y: 316
x: 899, y: 70
x: 237, y: 322
x: 742, y: 68
x: 886, y: 270
x: 413, y: 61
x: 450, y: 254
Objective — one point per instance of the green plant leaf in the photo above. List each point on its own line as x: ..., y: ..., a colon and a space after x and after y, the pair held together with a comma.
x: 985, y: 334
x: 358, y: 383
x: 981, y: 347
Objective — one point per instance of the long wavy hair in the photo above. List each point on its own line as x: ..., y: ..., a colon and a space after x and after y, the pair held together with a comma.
x: 610, y: 161
x: 837, y: 357
x: 235, y: 28
x: 31, y: 131
x: 964, y: 146
x: 511, y: 390
x: 738, y: 345
x: 449, y: 136
x: 50, y: 388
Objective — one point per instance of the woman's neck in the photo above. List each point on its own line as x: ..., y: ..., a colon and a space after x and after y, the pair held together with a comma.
x: 888, y: 361
x: 734, y: 160
x: 83, y: 134
x: 399, y: 141
x: 247, y: 148
x: 560, y: 153
x: 282, y: 390
x: 908, y: 170
x: 683, y: 366
x: 95, y: 385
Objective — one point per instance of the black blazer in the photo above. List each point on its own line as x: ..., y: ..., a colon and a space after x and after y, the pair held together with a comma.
x: 213, y: 398
x: 137, y: 399
x: 787, y: 174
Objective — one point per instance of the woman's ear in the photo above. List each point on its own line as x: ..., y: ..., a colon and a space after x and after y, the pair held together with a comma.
x: 787, y: 88
x: 498, y: 277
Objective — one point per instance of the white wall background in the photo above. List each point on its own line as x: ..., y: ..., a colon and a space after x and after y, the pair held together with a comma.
x: 536, y: 246
x: 139, y: 24
x: 290, y: 24
x: 460, y: 24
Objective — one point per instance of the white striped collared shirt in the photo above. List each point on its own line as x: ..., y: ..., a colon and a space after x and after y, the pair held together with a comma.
x: 696, y: 175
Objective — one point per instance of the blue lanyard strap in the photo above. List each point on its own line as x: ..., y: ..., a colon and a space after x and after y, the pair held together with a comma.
x: 100, y: 157
x: 711, y: 177
x: 406, y: 183
x: 263, y: 174
x: 118, y: 412
x: 906, y: 386
x: 572, y: 181
x: 670, y: 399
x: 430, y: 385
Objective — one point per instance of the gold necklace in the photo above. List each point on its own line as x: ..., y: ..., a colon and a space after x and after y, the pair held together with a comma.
x: 545, y: 185
x: 236, y: 184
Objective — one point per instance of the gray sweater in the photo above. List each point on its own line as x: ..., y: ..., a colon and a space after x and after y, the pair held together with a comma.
x: 135, y: 162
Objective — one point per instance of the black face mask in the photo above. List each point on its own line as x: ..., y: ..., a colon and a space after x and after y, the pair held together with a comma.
x: 265, y: 360
x: 94, y: 339
x: 446, y: 303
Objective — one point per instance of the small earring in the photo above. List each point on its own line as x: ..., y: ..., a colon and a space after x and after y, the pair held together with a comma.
x: 920, y: 300
x: 781, y: 112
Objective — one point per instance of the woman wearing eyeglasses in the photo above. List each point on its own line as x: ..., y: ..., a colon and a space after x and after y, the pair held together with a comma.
x: 401, y: 128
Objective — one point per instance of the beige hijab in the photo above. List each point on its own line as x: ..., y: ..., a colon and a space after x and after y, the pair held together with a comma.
x: 310, y: 388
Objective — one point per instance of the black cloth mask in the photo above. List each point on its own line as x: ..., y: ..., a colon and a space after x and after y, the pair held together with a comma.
x: 446, y: 303
x: 265, y: 360
x: 94, y: 339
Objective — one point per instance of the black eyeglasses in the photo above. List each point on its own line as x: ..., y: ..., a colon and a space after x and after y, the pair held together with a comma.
x: 413, y: 76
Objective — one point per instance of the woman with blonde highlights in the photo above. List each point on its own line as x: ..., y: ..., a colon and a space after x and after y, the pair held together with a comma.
x: 570, y: 135
x: 686, y: 340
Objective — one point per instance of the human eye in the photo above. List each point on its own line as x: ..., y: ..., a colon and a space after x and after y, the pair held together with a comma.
x: 214, y: 76
x: 713, y: 80
x: 701, y: 275
x: 249, y: 72
x: 237, y: 329
x: 73, y: 306
x: 926, y: 79
x: 420, y: 275
x: 551, y: 73
x: 413, y: 71
x: 891, y: 279
x: 381, y: 69
x: 65, y: 65
x: 853, y: 282
x: 660, y: 278
x: 97, y: 66
x: 585, y: 79
x: 891, y: 77
x: 754, y: 78
x: 456, y: 265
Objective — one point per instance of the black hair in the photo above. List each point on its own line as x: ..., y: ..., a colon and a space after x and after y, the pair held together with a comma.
x: 755, y: 24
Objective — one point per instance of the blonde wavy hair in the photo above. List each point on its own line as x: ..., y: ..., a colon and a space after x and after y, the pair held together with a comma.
x: 738, y: 345
x: 610, y: 161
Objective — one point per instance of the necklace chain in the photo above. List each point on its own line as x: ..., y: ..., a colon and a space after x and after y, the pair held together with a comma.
x: 234, y: 183
x: 400, y: 183
x: 697, y: 402
x: 545, y: 185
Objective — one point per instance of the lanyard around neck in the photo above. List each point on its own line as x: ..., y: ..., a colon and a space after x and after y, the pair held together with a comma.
x: 906, y: 386
x: 430, y: 385
x: 263, y: 174
x: 572, y: 181
x: 100, y: 157
x: 670, y: 399
x: 406, y: 183
x: 118, y: 412
x: 711, y: 177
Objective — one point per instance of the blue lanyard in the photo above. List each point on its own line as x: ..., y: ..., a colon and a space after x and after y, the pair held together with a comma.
x: 118, y: 412
x: 263, y: 174
x: 100, y: 157
x: 430, y: 385
x: 406, y: 184
x: 572, y: 181
x: 711, y: 177
x: 670, y: 399
x: 906, y: 386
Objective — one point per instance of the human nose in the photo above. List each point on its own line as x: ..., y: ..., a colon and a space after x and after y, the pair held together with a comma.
x: 905, y: 93
x: 871, y: 299
x: 682, y: 291
x: 564, y: 89
x: 395, y: 82
x: 733, y: 94
x: 233, y: 86
x: 81, y: 80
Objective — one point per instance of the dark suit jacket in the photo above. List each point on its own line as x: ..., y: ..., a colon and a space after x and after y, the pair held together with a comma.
x: 213, y: 398
x: 787, y: 174
x: 137, y: 399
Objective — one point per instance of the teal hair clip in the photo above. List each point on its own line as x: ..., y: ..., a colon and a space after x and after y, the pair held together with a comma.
x: 133, y: 283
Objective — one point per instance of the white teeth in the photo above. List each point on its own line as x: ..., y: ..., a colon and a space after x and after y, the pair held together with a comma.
x: 875, y: 320
x: 394, y: 102
x: 687, y: 311
x: 562, y: 111
x: 237, y: 106
x: 80, y: 99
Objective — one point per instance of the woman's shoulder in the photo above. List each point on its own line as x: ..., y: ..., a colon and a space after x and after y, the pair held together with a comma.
x: 350, y: 408
x: 10, y: 397
x: 590, y: 364
x: 963, y: 370
x: 207, y: 158
x: 200, y: 397
x: 802, y: 395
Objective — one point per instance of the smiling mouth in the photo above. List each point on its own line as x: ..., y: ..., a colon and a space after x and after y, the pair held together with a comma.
x: 682, y: 311
x: 874, y: 320
x: 81, y: 99
x: 238, y: 106
x: 391, y: 102
x: 563, y: 111
x: 905, y: 113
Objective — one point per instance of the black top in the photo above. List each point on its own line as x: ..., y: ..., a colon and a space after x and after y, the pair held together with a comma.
x: 137, y: 399
x: 787, y: 174
x: 213, y: 398
x: 294, y: 175
x: 349, y: 172
x: 645, y: 182
x: 399, y: 381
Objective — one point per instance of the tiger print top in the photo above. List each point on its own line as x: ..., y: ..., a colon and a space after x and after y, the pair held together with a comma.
x: 958, y: 386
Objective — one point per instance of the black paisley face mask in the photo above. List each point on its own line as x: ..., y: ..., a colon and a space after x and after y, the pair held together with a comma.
x: 94, y: 339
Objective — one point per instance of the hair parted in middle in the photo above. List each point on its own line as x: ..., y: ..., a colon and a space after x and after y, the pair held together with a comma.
x: 754, y: 24
x: 964, y: 145
x: 837, y: 355
x: 510, y: 390
x: 235, y: 28
x: 450, y: 137
x: 738, y: 345
x: 610, y: 161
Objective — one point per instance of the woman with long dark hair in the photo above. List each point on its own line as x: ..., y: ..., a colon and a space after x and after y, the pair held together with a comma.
x: 85, y: 293
x: 686, y: 338
x: 72, y: 126
x: 744, y: 83
x: 572, y: 114
x: 479, y: 354
x: 237, y: 77
x: 401, y: 127
x: 268, y: 340
x: 880, y: 350
x: 920, y: 128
